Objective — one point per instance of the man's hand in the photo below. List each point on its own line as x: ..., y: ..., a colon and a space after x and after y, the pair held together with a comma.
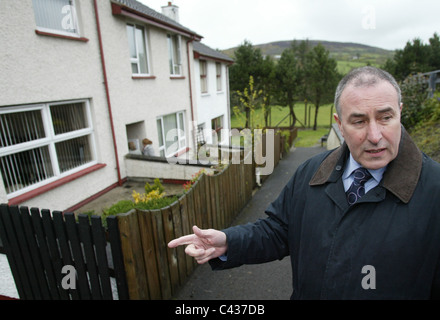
x: 203, y: 245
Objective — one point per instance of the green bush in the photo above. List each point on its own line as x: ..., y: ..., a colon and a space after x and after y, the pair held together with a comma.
x: 156, y: 186
x: 414, y: 93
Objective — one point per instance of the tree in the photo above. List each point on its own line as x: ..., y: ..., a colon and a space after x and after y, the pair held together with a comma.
x: 247, y: 62
x: 416, y: 57
x: 250, y: 99
x: 412, y: 59
x: 303, y: 60
x: 323, y: 78
x: 434, y: 54
x: 268, y: 85
x: 288, y: 81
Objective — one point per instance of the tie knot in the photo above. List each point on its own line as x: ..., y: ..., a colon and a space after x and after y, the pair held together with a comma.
x: 361, y: 175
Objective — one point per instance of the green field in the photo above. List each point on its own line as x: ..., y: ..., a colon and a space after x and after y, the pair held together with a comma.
x: 306, y: 136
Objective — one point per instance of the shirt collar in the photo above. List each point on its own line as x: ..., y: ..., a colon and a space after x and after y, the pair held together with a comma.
x: 353, y: 165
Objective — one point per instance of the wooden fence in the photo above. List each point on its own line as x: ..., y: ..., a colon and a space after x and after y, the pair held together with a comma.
x: 39, y: 245
x: 133, y: 249
x: 153, y: 271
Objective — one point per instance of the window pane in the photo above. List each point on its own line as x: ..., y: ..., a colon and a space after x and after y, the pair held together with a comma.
x: 25, y: 168
x: 134, y: 68
x: 68, y: 117
x: 73, y: 153
x: 181, y: 123
x: 59, y: 15
x: 19, y: 127
x: 140, y: 40
x: 170, y: 129
x: 159, y: 133
x: 170, y: 54
x: 131, y: 41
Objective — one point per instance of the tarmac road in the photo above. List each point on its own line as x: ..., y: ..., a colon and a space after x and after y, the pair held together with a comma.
x: 268, y: 281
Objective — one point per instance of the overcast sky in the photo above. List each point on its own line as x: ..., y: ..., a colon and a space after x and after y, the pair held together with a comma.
x: 386, y: 24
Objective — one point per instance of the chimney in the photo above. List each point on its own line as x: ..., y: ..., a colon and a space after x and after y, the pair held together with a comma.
x: 171, y: 11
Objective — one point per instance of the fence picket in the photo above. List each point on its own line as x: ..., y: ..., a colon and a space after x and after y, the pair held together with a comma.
x: 149, y: 254
x: 132, y: 254
x: 180, y: 251
x: 161, y: 253
x: 90, y: 260
x: 168, y: 229
x: 100, y: 243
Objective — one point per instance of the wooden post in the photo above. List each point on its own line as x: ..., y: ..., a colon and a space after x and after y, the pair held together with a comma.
x: 149, y: 254
x: 132, y: 253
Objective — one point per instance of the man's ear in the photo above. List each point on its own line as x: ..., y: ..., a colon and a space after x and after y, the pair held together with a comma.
x: 338, y: 121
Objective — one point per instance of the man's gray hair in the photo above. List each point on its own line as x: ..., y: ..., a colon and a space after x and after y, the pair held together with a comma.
x: 365, y: 77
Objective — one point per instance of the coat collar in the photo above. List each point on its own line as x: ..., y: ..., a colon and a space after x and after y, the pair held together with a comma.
x: 400, y: 178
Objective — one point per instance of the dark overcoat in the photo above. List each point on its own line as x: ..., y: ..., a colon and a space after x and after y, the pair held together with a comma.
x: 387, y: 246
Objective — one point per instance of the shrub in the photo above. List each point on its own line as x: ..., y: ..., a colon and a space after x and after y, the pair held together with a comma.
x: 414, y: 93
x: 156, y: 186
x: 153, y: 198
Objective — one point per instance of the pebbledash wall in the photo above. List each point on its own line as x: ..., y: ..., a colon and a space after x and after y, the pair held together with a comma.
x: 38, y: 69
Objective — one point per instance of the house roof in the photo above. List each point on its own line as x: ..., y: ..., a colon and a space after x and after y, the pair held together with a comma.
x: 135, y: 9
x: 203, y: 51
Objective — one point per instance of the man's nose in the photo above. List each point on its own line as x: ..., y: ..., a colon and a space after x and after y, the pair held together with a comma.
x: 374, y: 132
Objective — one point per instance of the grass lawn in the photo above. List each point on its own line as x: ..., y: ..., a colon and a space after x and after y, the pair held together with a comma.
x: 306, y: 136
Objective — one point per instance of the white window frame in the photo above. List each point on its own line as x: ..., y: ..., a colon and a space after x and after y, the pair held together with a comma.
x: 146, y: 48
x: 219, y: 74
x: 175, y: 62
x: 68, y: 16
x: 181, y: 134
x: 204, y: 81
x: 50, y: 141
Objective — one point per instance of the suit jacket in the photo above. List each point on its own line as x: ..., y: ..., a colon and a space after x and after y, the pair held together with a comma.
x: 386, y: 246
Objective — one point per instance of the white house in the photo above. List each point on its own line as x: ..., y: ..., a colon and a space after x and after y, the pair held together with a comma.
x: 80, y: 79
x: 212, y: 94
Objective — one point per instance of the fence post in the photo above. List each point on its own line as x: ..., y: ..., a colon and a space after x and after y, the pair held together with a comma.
x: 132, y: 253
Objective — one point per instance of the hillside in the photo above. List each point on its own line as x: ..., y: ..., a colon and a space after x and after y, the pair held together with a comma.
x: 347, y: 54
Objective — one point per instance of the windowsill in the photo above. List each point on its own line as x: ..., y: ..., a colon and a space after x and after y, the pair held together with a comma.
x: 53, y: 185
x: 177, y: 77
x: 205, y: 94
x: 142, y: 77
x: 61, y: 36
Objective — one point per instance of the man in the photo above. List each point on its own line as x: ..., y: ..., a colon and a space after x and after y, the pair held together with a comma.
x: 380, y: 240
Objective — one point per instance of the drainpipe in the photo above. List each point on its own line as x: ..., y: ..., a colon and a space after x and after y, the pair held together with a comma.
x: 190, y: 92
x: 107, y: 91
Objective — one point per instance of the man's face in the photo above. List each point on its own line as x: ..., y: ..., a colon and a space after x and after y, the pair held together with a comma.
x: 370, y: 123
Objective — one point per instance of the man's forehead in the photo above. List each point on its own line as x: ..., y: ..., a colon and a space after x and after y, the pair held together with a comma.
x: 379, y: 91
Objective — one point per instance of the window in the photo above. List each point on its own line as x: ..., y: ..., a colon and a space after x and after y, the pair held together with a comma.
x: 217, y: 126
x: 138, y: 49
x: 218, y: 69
x: 39, y: 144
x: 201, y: 134
x: 203, y: 76
x: 174, y: 55
x: 171, y: 132
x: 58, y: 16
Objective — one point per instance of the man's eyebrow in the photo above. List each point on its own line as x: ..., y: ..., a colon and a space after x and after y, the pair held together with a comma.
x: 380, y: 111
x: 386, y: 109
x: 357, y: 115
